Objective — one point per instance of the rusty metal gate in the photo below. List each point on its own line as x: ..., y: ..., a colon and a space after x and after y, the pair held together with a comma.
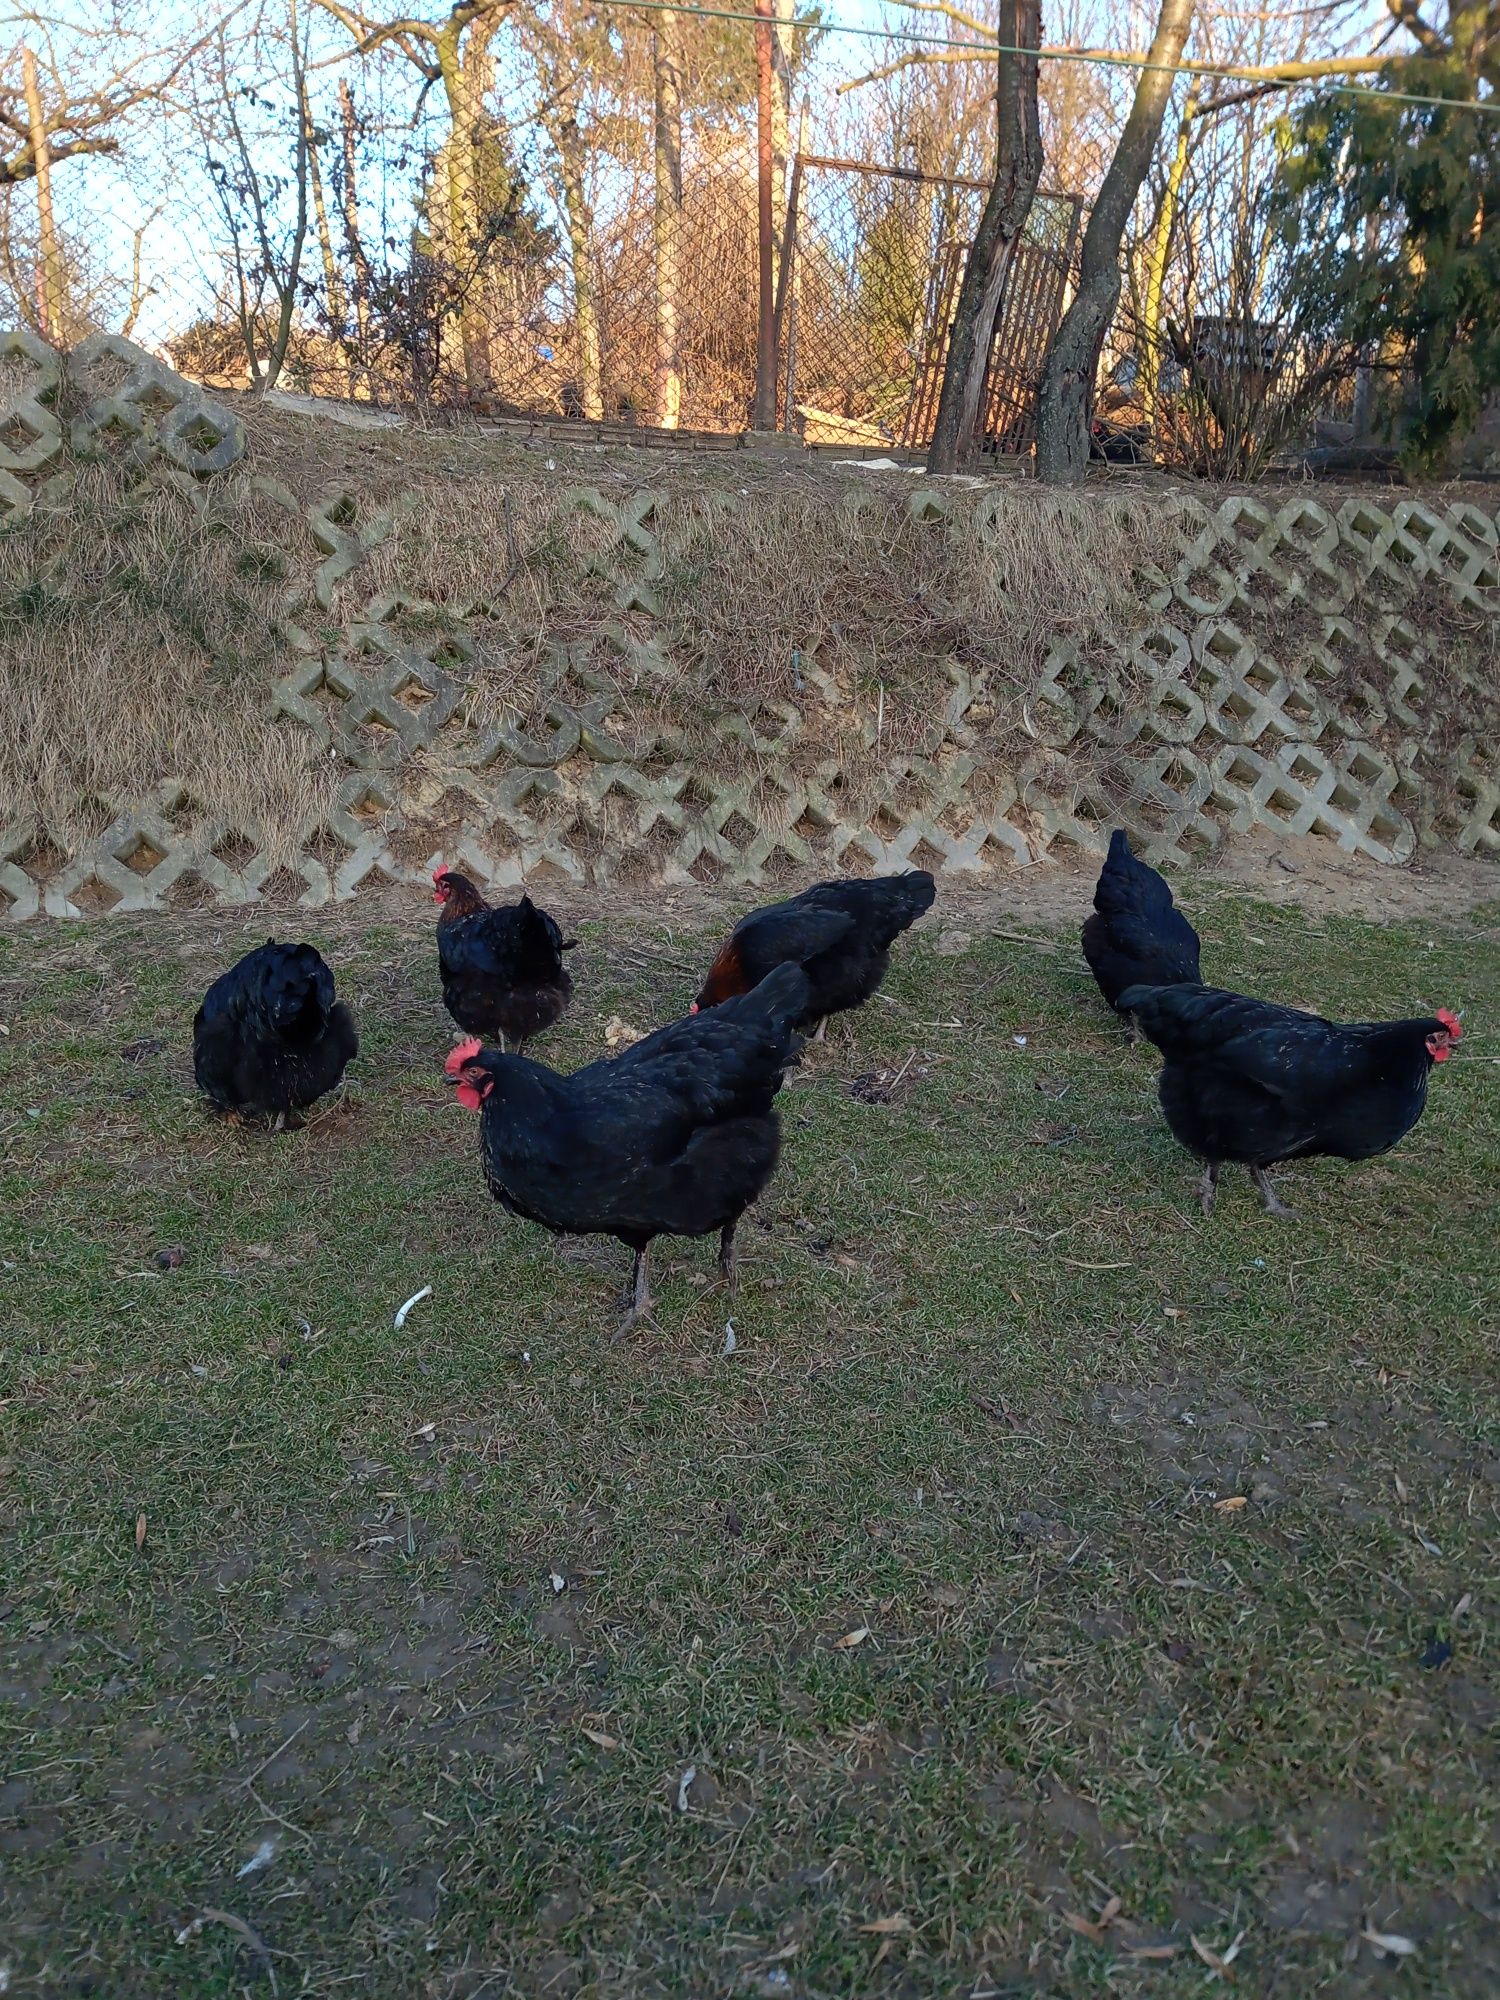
x: 874, y: 257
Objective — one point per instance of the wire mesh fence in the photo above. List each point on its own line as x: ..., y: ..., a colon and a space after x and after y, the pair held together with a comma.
x: 876, y: 257
x: 552, y: 218
x: 553, y: 213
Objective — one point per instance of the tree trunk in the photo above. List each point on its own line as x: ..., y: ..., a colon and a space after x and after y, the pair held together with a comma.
x: 1063, y: 406
x: 1149, y: 342
x: 50, y: 286
x: 581, y: 244
x: 333, y: 283
x: 1018, y: 168
x: 359, y: 268
x: 465, y: 72
x: 288, y: 281
x: 667, y: 226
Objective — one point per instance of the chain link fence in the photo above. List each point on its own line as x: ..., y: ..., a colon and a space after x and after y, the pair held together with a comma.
x: 577, y: 239
x: 553, y: 215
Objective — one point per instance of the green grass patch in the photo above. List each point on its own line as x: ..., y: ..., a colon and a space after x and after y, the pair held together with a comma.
x: 993, y: 1377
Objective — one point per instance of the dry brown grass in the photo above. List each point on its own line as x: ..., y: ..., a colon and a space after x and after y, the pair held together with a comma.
x: 138, y: 642
x: 142, y: 628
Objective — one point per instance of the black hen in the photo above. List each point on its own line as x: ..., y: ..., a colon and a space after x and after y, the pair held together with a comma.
x: 270, y: 1037
x: 840, y: 933
x: 502, y: 970
x: 1137, y: 936
x: 675, y: 1137
x: 1244, y: 1080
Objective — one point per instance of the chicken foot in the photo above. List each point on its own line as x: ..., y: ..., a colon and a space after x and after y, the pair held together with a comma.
x: 729, y: 1262
x: 640, y: 1303
x: 1208, y: 1187
x: 1274, y: 1204
x: 820, y: 1033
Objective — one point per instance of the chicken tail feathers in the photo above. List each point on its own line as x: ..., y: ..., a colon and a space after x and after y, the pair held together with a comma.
x: 1127, y: 885
x: 781, y: 998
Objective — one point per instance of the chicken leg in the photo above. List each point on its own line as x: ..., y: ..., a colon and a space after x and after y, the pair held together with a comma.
x: 1274, y: 1204
x: 820, y: 1033
x: 1208, y: 1187
x: 729, y: 1262
x: 640, y: 1304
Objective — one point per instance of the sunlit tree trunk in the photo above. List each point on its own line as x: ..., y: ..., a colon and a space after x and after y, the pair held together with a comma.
x: 667, y: 226
x: 1156, y: 262
x: 1018, y: 169
x: 1064, y: 403
x: 581, y: 246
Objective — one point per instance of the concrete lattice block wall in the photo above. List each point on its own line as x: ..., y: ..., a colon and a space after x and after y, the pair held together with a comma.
x: 1364, y: 726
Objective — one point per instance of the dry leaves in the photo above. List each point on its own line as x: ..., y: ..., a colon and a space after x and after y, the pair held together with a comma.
x: 852, y: 1639
x: 140, y: 1531
x: 604, y: 1741
x: 1094, y: 1928
x: 1232, y: 1505
x: 887, y: 1926
x: 1219, y: 1962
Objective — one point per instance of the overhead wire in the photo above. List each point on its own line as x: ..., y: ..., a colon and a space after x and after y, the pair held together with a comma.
x: 1108, y: 58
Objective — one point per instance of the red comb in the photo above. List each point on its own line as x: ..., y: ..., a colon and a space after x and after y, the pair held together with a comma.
x: 462, y: 1056
x: 1451, y: 1022
x: 440, y: 871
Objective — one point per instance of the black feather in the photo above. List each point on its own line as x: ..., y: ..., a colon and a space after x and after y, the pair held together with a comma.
x: 1249, y: 1081
x: 840, y: 933
x: 270, y: 1036
x: 1136, y: 935
x: 675, y: 1136
x: 502, y: 971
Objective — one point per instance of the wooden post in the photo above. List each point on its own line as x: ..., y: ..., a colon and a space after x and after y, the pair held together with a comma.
x: 49, y: 269
x: 765, y: 345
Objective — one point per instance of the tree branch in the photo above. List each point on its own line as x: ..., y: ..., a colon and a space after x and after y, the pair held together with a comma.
x: 22, y: 167
x: 1269, y: 76
x: 1407, y: 15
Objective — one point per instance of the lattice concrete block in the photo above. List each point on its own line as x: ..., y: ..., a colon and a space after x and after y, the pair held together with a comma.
x: 133, y: 396
x: 1202, y: 727
x: 32, y: 445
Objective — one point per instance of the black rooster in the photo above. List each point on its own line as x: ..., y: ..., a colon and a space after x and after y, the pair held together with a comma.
x: 1136, y: 936
x: 840, y: 933
x: 1244, y: 1080
x: 502, y: 970
x: 270, y: 1037
x: 674, y: 1137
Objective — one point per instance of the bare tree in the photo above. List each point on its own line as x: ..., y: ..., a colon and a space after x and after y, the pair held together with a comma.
x: 572, y: 52
x: 1063, y: 403
x: 1018, y: 169
x: 77, y: 118
x: 264, y: 203
x: 453, y: 52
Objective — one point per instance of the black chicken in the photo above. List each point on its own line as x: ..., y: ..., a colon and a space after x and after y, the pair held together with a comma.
x: 270, y: 1037
x: 502, y: 970
x: 674, y: 1137
x: 1137, y: 936
x: 840, y: 933
x: 1244, y: 1080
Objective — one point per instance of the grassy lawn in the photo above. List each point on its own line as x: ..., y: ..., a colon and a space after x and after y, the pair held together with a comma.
x: 933, y: 1581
